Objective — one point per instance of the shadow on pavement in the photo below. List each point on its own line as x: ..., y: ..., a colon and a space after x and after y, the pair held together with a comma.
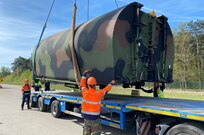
x: 106, y: 130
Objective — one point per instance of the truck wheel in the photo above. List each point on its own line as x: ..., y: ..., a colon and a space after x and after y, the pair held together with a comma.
x: 41, y: 106
x: 185, y: 129
x: 32, y: 104
x: 55, y: 110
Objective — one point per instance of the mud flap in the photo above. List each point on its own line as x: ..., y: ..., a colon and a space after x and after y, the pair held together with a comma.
x: 143, y: 125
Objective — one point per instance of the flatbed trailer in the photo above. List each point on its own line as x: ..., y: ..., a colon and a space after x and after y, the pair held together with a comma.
x: 144, y: 115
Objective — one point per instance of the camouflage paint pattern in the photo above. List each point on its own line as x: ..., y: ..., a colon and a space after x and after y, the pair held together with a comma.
x: 92, y: 127
x: 121, y: 45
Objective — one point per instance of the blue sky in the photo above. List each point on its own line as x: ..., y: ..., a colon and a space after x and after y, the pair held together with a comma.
x: 21, y: 21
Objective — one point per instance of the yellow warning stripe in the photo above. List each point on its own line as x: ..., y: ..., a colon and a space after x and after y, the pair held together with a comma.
x: 154, y: 111
x: 77, y: 101
x: 116, y: 107
x: 73, y: 101
x: 200, y: 118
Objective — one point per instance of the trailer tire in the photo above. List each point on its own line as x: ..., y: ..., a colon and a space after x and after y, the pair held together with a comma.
x: 55, y: 110
x: 41, y: 106
x: 185, y: 129
x: 32, y: 104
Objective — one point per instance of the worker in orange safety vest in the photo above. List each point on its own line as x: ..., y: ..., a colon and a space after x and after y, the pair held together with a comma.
x: 91, y: 103
x: 26, y: 91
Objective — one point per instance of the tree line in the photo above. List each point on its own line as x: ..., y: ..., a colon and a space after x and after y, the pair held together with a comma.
x: 189, y: 54
x: 19, y: 65
x: 188, y: 60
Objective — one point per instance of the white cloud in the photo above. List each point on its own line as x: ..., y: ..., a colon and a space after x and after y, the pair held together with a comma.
x: 8, y: 55
x: 16, y: 33
x: 18, y: 37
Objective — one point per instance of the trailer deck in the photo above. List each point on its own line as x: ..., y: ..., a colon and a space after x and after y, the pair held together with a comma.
x: 188, y: 109
x: 122, y: 104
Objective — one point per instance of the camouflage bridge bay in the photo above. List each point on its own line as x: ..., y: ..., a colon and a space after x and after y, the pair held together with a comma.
x: 126, y: 44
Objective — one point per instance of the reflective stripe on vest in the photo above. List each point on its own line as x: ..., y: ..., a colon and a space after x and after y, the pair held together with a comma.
x: 26, y: 90
x: 160, y: 93
x: 91, y: 102
x: 90, y: 113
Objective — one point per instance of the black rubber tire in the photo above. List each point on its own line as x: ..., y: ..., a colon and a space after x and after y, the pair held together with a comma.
x: 55, y: 109
x: 41, y: 106
x: 32, y: 104
x: 185, y: 129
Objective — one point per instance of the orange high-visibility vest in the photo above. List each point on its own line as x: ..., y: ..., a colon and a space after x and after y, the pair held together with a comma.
x: 26, y: 88
x: 91, y: 102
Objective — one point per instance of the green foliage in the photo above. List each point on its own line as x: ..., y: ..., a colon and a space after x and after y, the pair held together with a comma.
x: 196, y: 30
x: 182, y: 60
x: 21, y: 64
x: 189, y: 55
x: 4, y: 71
x: 168, y: 93
x: 18, y: 79
x: 54, y: 86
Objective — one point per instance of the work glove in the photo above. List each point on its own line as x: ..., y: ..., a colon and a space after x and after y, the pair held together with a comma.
x: 86, y: 72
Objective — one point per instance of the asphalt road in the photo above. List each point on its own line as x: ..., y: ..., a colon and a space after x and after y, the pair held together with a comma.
x: 13, y: 121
